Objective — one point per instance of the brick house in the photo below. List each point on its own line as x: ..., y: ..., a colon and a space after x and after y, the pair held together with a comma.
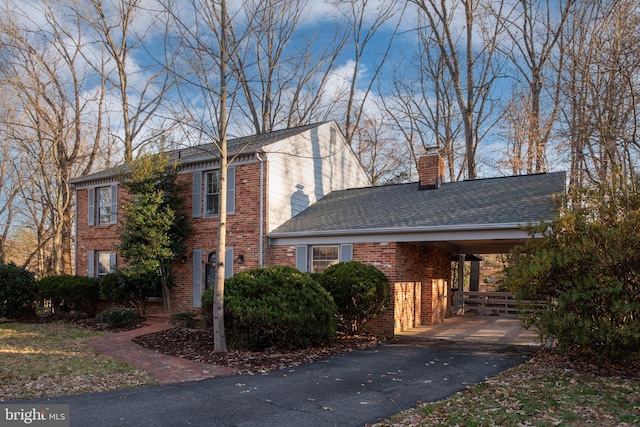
x: 299, y: 197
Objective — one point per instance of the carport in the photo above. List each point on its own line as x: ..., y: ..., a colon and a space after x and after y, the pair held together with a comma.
x: 412, y: 231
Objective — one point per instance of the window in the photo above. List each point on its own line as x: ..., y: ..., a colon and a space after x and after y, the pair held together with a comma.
x: 212, y: 193
x: 100, y: 263
x: 322, y: 257
x: 318, y: 258
x: 104, y: 264
x: 103, y: 206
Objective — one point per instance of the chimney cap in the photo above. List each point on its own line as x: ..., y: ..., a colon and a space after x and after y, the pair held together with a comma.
x: 433, y: 149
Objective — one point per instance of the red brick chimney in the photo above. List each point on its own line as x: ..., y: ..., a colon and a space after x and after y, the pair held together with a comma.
x: 431, y: 169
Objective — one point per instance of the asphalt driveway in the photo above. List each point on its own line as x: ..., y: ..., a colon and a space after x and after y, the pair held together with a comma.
x: 347, y: 390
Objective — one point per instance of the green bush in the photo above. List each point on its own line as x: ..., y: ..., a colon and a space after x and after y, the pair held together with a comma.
x: 360, y: 292
x: 69, y: 293
x: 18, y: 291
x: 125, y: 288
x: 588, y: 268
x: 185, y: 319
x: 119, y: 317
x: 274, y: 307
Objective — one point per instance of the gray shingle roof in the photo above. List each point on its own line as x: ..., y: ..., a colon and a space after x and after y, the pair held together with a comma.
x: 246, y: 144
x: 506, y: 200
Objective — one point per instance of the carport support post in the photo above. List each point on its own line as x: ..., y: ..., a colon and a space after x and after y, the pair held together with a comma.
x: 461, y: 272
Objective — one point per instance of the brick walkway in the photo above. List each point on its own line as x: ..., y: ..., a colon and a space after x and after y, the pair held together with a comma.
x: 166, y: 369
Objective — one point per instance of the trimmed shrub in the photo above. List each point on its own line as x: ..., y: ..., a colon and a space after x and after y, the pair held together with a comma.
x: 184, y: 319
x: 18, y: 291
x: 125, y: 288
x: 360, y: 292
x: 274, y: 307
x: 70, y: 293
x: 119, y: 317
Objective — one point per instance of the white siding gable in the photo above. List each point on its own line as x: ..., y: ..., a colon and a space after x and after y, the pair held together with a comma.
x: 307, y: 167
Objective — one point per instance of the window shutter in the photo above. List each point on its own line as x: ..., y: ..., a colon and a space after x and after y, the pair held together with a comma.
x: 112, y: 262
x: 91, y: 264
x: 91, y: 204
x: 196, y: 199
x: 346, y: 253
x: 231, y: 190
x: 114, y: 204
x: 228, y: 263
x: 197, y: 277
x: 301, y: 258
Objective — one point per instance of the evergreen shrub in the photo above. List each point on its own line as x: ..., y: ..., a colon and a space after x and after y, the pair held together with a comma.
x: 69, y: 293
x: 18, y: 291
x: 119, y: 317
x: 360, y: 292
x: 274, y: 307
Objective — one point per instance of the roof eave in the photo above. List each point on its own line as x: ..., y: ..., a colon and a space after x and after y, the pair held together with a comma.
x: 405, y: 234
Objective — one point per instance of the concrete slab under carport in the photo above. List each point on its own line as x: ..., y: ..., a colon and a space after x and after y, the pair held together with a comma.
x: 477, y: 328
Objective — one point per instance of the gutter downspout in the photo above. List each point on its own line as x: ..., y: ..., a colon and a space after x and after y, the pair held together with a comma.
x: 261, y: 239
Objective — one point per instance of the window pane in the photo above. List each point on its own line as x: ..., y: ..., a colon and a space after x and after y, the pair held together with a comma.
x: 104, y: 205
x: 323, y: 257
x: 104, y: 263
x: 212, y: 193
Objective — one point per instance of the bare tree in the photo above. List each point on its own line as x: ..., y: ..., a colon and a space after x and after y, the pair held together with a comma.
x: 534, y: 28
x: 45, y: 71
x: 9, y: 188
x: 600, y: 90
x: 471, y: 63
x: 124, y: 30
x: 364, y: 20
x: 424, y: 108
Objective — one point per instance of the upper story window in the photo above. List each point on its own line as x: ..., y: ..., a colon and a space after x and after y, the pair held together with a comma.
x: 102, y: 205
x: 212, y: 193
x: 206, y: 191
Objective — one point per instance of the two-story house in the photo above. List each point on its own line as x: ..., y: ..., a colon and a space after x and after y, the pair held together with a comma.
x: 299, y: 197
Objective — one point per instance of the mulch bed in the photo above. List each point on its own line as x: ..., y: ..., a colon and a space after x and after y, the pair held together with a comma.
x: 197, y: 344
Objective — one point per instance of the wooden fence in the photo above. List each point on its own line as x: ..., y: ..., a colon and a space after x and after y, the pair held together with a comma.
x: 493, y: 304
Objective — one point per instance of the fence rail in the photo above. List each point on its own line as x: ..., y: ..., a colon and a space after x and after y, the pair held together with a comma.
x: 493, y: 303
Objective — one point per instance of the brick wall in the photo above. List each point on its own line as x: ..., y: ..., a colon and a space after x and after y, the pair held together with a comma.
x: 419, y: 276
x: 242, y: 234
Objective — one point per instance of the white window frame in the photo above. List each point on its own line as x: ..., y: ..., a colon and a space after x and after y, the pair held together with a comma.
x: 305, y: 261
x: 103, y: 205
x: 214, y: 193
x: 322, y: 257
x: 101, y: 263
x: 104, y: 263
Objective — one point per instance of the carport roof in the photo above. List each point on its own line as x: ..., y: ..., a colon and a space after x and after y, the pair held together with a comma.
x: 480, y: 204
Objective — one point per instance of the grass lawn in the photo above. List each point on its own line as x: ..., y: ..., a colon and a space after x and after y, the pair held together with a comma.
x: 544, y: 391
x: 52, y: 359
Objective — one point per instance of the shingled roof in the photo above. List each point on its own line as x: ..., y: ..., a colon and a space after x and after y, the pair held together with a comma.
x: 198, y: 153
x: 515, y: 200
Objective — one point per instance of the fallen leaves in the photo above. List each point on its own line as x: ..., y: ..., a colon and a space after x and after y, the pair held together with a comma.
x: 197, y: 344
x: 52, y: 359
